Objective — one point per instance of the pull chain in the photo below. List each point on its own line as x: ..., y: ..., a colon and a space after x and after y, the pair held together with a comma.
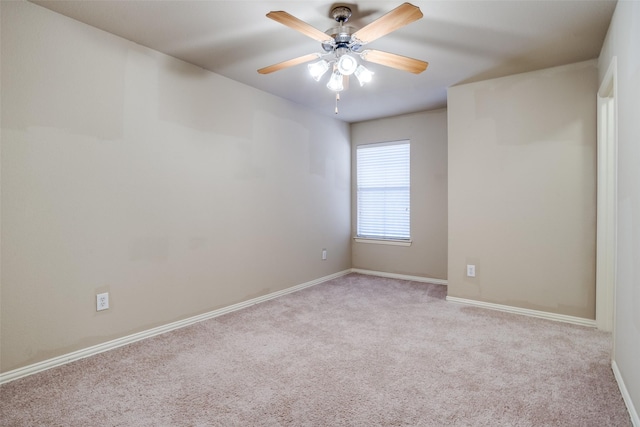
x: 337, y: 99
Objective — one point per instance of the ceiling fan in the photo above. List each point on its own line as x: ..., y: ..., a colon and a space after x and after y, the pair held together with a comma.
x: 343, y: 44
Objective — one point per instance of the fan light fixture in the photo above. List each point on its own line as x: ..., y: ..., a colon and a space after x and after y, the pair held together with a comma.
x: 342, y: 47
x: 363, y: 74
x: 317, y: 69
x: 347, y: 64
x: 335, y: 82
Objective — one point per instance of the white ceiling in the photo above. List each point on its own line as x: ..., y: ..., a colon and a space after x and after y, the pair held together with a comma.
x: 463, y: 41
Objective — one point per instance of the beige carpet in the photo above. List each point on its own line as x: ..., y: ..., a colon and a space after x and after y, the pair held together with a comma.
x: 357, y: 351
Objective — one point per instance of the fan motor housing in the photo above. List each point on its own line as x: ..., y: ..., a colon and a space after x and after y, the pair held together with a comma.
x: 341, y: 34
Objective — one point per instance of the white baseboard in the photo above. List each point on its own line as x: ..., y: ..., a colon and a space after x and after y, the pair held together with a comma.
x: 635, y: 420
x: 119, y: 342
x: 526, y: 312
x: 399, y: 276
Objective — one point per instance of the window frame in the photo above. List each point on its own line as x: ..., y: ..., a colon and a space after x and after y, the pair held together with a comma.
x: 391, y: 240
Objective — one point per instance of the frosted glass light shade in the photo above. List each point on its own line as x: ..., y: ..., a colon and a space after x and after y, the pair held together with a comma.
x: 335, y: 82
x: 317, y: 69
x: 363, y: 74
x: 347, y: 64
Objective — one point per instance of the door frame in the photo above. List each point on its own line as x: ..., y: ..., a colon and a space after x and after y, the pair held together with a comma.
x: 606, y: 257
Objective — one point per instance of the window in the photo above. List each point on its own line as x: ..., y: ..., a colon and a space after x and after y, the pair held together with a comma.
x: 383, y: 191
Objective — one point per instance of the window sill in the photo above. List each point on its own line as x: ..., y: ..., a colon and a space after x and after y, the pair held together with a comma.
x: 383, y: 241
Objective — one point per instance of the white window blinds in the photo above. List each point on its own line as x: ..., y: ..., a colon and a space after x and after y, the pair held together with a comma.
x: 383, y: 190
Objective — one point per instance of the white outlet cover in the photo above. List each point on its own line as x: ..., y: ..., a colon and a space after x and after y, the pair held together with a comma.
x: 471, y: 270
x: 102, y: 301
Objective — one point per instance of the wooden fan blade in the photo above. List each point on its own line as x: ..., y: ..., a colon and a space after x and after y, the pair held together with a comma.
x: 402, y: 15
x: 299, y: 25
x: 392, y: 60
x: 289, y: 63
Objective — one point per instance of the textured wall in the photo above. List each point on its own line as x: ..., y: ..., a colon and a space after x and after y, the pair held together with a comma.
x: 427, y: 255
x: 522, y: 190
x: 623, y: 43
x: 176, y: 190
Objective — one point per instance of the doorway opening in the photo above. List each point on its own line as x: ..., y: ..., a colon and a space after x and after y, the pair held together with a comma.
x: 607, y: 200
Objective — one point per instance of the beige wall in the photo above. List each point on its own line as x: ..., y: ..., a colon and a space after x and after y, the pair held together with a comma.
x: 623, y: 43
x: 427, y: 255
x: 174, y: 189
x: 522, y: 176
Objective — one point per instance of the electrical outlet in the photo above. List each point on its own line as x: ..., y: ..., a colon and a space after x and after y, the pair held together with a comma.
x: 102, y: 301
x: 471, y: 270
x: 324, y: 254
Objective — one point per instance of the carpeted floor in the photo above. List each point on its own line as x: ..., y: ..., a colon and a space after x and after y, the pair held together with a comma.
x: 355, y: 351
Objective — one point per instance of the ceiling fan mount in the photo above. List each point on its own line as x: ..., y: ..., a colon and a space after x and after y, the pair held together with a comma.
x: 341, y: 14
